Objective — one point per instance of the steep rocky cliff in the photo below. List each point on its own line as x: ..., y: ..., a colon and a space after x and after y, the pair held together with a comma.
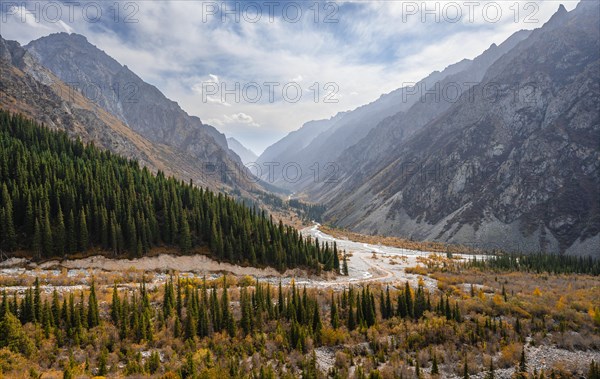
x: 513, y: 164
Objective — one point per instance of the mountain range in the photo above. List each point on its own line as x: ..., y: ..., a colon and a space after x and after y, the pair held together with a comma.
x: 500, y: 152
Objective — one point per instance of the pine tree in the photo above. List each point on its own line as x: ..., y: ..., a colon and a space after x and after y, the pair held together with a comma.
x: 71, y: 234
x: 225, y: 312
x: 102, y: 363
x: 351, y: 324
x: 93, y: 315
x: 59, y: 234
x: 388, y: 303
x: 115, y: 308
x: 55, y: 308
x: 13, y: 337
x: 37, y: 301
x: 7, y: 235
x: 82, y: 243
x: 185, y: 239
x: 246, y: 307
x: 345, y: 265
x: 336, y: 259
x: 47, y: 243
x: 523, y: 362
x: 335, y: 319
x: 434, y: 366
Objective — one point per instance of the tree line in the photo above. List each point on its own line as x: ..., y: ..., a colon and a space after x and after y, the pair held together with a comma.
x: 538, y: 263
x: 61, y: 197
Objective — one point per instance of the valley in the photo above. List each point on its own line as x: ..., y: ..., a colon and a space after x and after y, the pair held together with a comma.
x: 444, y: 221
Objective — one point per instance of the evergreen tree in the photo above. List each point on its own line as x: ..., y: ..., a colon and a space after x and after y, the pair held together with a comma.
x: 185, y: 239
x: 93, y: 314
x: 335, y: 318
x: 82, y: 243
x: 434, y: 366
x: 345, y: 265
x: 523, y: 362
x: 8, y: 236
x: 336, y: 258
x: 115, y: 308
x: 13, y: 337
x: 38, y: 247
x: 59, y: 234
x: 103, y: 362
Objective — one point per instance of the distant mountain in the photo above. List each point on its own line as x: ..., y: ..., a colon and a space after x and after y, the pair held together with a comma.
x: 324, y: 141
x: 139, y: 105
x: 513, y: 164
x: 245, y: 154
x: 294, y: 142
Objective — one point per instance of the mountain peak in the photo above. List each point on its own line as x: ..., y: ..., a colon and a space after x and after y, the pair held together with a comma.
x: 558, y: 17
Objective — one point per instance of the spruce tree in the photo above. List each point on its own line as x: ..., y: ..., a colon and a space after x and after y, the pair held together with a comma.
x: 59, y: 234
x: 82, y: 229
x: 7, y: 229
x: 335, y: 318
x: 434, y: 366
x: 345, y: 265
x: 185, y: 239
x: 93, y: 315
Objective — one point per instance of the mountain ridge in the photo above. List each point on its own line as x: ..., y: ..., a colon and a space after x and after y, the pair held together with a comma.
x: 487, y: 172
x: 139, y: 105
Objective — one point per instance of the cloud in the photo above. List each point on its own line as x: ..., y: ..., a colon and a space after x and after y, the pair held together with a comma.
x: 240, y: 118
x: 372, y: 49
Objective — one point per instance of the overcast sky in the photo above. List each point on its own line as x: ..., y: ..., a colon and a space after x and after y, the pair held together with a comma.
x: 351, y: 51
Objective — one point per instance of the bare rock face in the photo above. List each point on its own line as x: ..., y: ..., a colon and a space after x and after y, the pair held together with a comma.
x: 325, y: 141
x: 28, y: 87
x: 139, y: 105
x: 513, y: 164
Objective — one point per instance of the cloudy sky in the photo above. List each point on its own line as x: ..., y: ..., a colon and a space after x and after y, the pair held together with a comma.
x: 258, y: 70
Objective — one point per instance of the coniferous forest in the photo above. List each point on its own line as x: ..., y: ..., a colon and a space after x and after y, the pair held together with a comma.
x: 61, y: 197
x: 241, y: 328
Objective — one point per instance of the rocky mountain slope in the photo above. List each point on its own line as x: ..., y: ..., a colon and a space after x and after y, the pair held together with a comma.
x: 139, y: 105
x: 245, y: 154
x: 324, y: 141
x: 513, y: 164
x: 30, y: 88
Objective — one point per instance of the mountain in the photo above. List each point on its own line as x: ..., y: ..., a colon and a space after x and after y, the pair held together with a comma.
x: 139, y: 105
x: 324, y: 141
x: 513, y: 164
x: 28, y: 88
x: 245, y: 154
x: 297, y: 140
